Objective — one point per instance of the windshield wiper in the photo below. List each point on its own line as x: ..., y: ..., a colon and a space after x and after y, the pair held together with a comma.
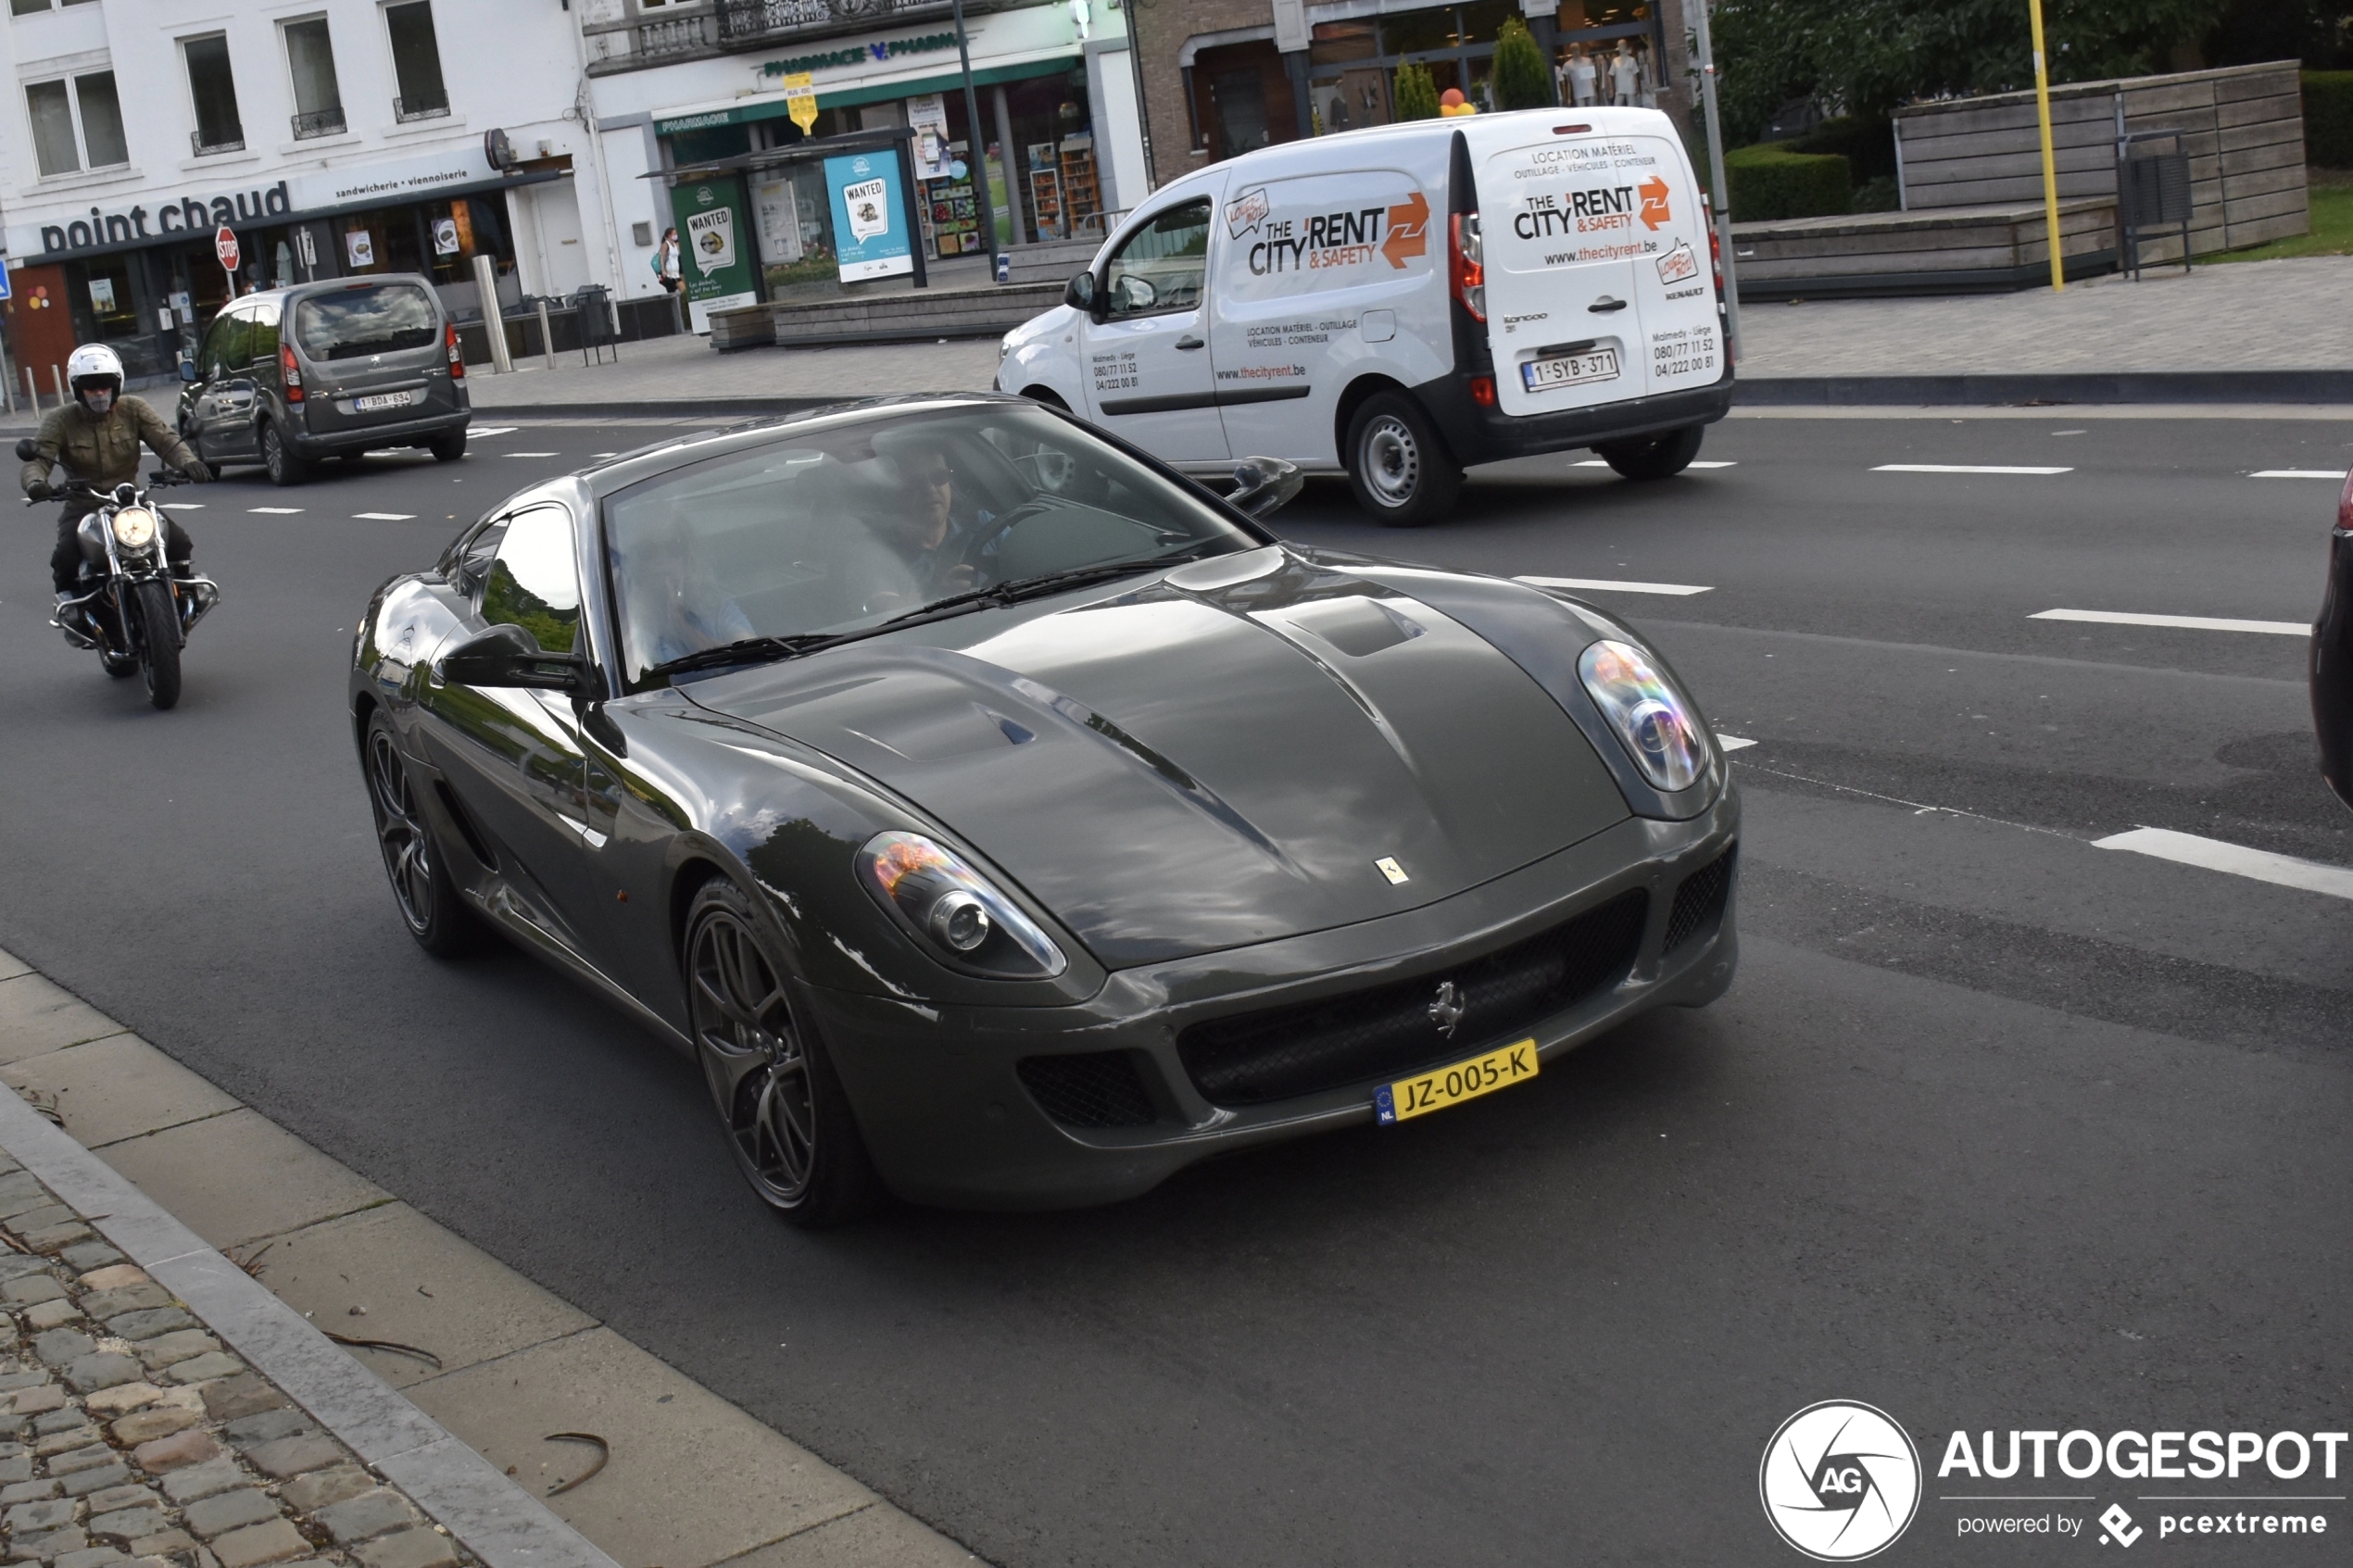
x: 750, y: 651
x: 1021, y: 588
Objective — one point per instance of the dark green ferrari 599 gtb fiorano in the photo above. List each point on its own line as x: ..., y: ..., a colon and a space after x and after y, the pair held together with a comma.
x: 1001, y: 818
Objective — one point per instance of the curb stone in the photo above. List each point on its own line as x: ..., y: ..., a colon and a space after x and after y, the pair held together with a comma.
x: 463, y: 1498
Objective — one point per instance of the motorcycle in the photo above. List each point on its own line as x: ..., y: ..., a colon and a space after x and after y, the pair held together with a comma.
x: 133, y: 613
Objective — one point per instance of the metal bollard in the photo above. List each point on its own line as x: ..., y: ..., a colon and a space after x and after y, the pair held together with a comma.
x: 493, y: 323
x: 32, y: 389
x: 58, y: 384
x: 546, y: 339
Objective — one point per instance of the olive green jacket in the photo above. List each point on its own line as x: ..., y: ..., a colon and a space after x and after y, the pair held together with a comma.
x: 102, y: 449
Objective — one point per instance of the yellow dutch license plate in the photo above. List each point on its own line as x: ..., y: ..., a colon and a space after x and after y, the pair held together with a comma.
x: 1442, y: 1086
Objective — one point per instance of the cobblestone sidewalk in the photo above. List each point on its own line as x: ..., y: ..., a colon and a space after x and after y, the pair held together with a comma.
x: 132, y: 1436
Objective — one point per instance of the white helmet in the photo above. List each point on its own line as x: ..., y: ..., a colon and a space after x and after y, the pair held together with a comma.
x: 92, y: 365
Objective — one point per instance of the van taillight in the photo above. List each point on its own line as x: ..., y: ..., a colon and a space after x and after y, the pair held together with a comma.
x: 290, y: 371
x: 1467, y: 265
x: 1483, y: 391
x: 457, y: 358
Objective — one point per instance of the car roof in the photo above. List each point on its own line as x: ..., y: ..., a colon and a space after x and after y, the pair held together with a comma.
x: 330, y: 285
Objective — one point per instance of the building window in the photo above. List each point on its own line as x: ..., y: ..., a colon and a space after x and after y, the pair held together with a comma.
x: 416, y: 61
x: 56, y: 146
x: 28, y: 8
x: 214, y: 93
x: 310, y: 59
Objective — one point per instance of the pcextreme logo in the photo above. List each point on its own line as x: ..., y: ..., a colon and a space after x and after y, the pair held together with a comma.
x: 1840, y: 1481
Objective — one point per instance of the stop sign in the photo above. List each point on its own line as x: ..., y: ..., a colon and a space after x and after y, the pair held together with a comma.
x: 224, y: 246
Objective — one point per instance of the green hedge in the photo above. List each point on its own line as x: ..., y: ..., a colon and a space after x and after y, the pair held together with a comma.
x: 2328, y: 119
x: 1769, y: 183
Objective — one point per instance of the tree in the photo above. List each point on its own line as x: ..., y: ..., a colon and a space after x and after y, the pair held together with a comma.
x: 1415, y: 97
x: 1521, y: 79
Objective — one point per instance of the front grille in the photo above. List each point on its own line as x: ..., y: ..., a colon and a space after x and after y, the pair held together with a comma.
x: 1700, y: 900
x: 1283, y: 1052
x: 1096, y: 1089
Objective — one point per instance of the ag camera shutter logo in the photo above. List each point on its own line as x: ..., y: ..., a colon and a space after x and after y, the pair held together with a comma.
x: 1841, y: 1481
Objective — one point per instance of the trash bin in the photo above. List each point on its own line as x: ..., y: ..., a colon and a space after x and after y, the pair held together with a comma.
x: 593, y: 315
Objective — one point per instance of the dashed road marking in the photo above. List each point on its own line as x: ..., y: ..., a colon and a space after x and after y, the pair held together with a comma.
x: 2298, y: 474
x: 1733, y: 743
x: 384, y: 517
x: 275, y: 511
x: 2180, y: 623
x: 1962, y: 467
x: 184, y: 506
x: 493, y: 430
x: 1679, y: 589
x: 531, y: 454
x: 1603, y: 462
x: 2262, y: 865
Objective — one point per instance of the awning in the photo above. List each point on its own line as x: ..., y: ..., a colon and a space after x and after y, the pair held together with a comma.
x: 751, y: 109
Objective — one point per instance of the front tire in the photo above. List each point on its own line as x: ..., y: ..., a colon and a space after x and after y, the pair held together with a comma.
x: 787, y: 1122
x: 159, y: 642
x: 1398, y: 464
x: 448, y: 446
x: 422, y: 888
x: 1655, y: 456
x: 278, y: 461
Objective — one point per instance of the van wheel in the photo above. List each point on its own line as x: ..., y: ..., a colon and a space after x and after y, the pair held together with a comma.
x: 281, y: 465
x: 448, y: 446
x: 1655, y: 456
x: 1398, y: 464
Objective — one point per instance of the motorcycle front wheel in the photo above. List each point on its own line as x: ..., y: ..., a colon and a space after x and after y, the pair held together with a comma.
x: 159, y: 642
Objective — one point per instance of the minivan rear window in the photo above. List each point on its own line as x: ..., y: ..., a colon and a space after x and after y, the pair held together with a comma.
x: 372, y: 319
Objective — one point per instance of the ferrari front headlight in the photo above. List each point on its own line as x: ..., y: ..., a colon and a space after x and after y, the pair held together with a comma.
x: 954, y: 910
x: 1655, y: 721
x: 134, y: 528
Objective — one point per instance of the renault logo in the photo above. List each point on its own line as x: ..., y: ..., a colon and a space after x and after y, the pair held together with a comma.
x: 1446, y: 1008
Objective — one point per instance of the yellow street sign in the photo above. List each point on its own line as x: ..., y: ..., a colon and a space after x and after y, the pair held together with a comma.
x: 800, y: 100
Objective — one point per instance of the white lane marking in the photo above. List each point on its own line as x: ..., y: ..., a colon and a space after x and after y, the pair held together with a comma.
x: 1733, y: 743
x: 1679, y: 589
x: 184, y: 506
x: 2298, y: 474
x: 2184, y: 622
x: 1603, y: 463
x: 531, y: 454
x: 491, y: 430
x: 1959, y: 467
x: 2189, y: 849
x: 384, y: 517
x: 275, y: 511
x: 604, y: 454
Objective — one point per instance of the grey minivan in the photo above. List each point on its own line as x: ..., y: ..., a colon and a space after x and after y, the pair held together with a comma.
x: 331, y: 368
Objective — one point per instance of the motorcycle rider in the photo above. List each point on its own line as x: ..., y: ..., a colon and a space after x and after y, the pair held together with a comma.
x: 96, y: 438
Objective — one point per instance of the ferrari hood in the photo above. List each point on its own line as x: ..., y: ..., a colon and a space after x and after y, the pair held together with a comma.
x: 1247, y: 748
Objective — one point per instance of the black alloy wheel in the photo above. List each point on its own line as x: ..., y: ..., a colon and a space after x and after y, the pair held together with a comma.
x: 282, y: 467
x: 787, y: 1122
x: 422, y: 888
x: 1655, y: 456
x: 158, y: 618
x: 1398, y: 464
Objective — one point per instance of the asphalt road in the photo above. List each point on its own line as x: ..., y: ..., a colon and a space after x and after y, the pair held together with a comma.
x: 1996, y: 1129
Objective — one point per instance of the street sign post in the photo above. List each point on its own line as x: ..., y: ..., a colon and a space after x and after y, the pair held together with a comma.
x: 224, y: 246
x: 2050, y: 163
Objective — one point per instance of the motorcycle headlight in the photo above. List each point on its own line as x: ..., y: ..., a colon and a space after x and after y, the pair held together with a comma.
x: 954, y: 910
x: 1654, y: 720
x: 135, y: 528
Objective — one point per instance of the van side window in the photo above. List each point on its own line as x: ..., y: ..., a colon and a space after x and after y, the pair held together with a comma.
x: 1162, y: 265
x: 224, y: 342
x: 264, y: 342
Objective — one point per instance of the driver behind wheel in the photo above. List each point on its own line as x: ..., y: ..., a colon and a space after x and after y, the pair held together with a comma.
x: 95, y: 438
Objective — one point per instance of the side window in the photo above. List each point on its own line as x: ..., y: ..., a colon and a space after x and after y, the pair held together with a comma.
x: 1161, y: 265
x: 224, y: 344
x: 470, y: 567
x: 534, y: 582
x: 262, y: 341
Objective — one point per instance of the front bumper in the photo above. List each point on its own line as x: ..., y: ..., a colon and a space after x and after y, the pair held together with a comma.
x: 948, y: 1120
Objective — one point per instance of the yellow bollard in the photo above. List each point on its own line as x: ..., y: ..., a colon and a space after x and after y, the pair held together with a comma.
x: 2050, y: 160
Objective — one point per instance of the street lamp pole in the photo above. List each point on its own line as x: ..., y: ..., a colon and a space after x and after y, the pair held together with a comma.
x: 977, y: 148
x: 2050, y: 160
x: 1706, y: 52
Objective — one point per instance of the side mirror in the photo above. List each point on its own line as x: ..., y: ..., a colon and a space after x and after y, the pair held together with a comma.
x: 1080, y: 296
x: 1261, y: 485
x: 509, y: 656
x: 27, y: 450
x: 188, y: 371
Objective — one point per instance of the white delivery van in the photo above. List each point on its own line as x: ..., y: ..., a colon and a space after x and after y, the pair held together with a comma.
x: 1397, y: 302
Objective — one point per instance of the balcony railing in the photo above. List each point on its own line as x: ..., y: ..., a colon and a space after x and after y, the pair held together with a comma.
x: 406, y: 110
x: 318, y: 123
x: 233, y: 143
x: 728, y: 26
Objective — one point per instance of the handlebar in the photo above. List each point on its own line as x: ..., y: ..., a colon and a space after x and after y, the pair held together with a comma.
x: 58, y: 490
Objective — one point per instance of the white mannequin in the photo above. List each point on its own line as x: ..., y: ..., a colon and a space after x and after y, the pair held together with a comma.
x: 1625, y: 75
x: 1581, y: 78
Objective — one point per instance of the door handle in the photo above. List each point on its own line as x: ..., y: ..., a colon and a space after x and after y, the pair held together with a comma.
x: 1604, y: 304
x: 1188, y: 341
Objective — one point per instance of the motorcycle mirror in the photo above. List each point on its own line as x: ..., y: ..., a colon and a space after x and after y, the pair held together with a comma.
x: 509, y: 656
x: 188, y: 371
x: 27, y: 450
x: 1262, y: 484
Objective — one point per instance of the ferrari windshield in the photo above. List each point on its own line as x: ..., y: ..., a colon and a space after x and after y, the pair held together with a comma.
x: 842, y: 528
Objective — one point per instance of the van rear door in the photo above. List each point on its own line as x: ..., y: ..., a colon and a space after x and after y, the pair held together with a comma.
x: 1598, y: 282
x: 375, y: 353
